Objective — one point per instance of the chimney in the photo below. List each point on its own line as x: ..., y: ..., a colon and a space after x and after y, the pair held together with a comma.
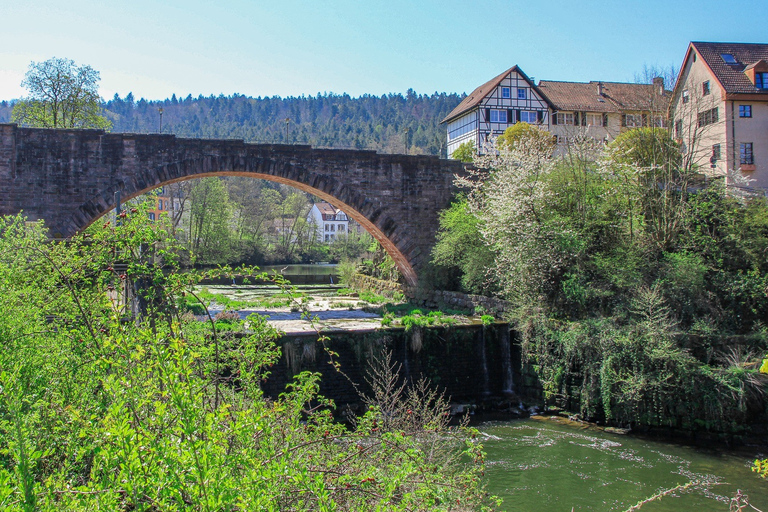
x: 600, y: 89
x: 658, y: 84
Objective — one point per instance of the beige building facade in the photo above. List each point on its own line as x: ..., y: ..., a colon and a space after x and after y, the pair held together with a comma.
x: 719, y: 110
x: 603, y: 110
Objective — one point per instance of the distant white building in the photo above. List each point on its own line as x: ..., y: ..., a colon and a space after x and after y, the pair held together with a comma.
x: 329, y: 221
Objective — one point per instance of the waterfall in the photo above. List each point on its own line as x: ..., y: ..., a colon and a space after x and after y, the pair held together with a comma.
x: 406, y: 364
x: 484, y: 357
x: 506, y: 360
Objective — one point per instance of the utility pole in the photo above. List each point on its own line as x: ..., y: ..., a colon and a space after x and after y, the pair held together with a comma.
x: 287, y: 122
x: 161, y: 118
x: 405, y: 139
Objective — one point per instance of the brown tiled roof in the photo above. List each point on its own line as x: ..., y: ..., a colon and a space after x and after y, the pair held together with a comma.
x: 326, y: 208
x: 476, y: 97
x: 731, y: 76
x: 617, y: 97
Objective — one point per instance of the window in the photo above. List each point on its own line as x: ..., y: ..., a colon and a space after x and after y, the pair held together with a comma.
x: 327, y: 228
x: 159, y: 204
x: 563, y: 118
x: 327, y: 237
x: 686, y: 96
x: 522, y: 94
x: 340, y: 227
x: 745, y: 110
x: 505, y: 92
x: 659, y: 121
x: 528, y: 117
x: 708, y: 117
x: 333, y: 227
x: 728, y: 58
x: 633, y: 120
x: 498, y: 116
x: 595, y: 119
x: 152, y: 215
x: 715, y: 153
x: 745, y: 153
x: 679, y: 129
x: 761, y: 80
x: 705, y: 88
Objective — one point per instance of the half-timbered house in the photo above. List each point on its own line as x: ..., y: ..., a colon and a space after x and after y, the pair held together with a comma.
x: 493, y: 107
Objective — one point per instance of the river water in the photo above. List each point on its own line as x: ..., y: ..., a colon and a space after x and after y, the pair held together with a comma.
x: 548, y: 465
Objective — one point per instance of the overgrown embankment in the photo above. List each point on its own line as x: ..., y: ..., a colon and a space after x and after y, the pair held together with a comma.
x: 640, y: 290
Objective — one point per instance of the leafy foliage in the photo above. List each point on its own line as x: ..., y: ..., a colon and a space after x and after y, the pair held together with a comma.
x: 638, y: 299
x: 103, y: 412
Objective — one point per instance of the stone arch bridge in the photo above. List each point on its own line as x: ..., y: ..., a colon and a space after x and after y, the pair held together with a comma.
x: 69, y: 178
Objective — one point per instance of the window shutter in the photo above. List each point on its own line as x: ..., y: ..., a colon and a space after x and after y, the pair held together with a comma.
x: 623, y: 119
x: 583, y: 119
x: 487, y: 115
x: 540, y: 116
x: 605, y: 120
x: 554, y: 117
x: 510, y: 116
x: 576, y: 119
x: 645, y: 119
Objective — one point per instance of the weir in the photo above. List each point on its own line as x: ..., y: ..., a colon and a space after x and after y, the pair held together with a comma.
x: 467, y: 362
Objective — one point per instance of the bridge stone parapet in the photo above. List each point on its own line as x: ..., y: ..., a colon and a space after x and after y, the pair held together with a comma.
x: 69, y: 178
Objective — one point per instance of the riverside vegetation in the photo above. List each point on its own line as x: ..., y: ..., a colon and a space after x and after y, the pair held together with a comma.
x: 640, y: 291
x: 99, y: 411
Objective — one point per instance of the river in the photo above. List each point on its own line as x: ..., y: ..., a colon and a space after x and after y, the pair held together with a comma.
x: 548, y: 465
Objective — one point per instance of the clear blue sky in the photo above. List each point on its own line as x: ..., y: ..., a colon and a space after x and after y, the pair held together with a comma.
x: 155, y: 48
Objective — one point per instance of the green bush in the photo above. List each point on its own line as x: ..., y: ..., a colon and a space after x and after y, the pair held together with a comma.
x: 162, y: 413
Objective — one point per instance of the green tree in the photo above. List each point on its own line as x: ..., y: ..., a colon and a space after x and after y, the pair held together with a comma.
x: 466, y: 152
x: 460, y: 245
x: 61, y: 95
x: 210, y: 233
x: 526, y: 136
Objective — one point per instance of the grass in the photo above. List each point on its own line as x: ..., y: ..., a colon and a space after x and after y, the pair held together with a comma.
x: 276, y: 300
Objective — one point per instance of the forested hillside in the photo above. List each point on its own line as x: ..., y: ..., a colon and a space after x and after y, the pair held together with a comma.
x: 382, y: 123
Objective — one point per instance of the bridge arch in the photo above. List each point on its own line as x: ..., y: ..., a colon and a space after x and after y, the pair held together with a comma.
x: 403, y: 265
x: 69, y: 178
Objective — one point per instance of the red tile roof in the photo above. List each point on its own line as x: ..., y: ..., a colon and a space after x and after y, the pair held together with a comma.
x: 616, y: 97
x: 731, y: 76
x: 326, y: 208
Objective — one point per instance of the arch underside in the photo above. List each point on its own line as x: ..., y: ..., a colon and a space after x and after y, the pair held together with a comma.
x: 403, y: 264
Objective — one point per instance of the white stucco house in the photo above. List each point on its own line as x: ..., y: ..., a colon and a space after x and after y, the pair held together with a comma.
x: 329, y: 221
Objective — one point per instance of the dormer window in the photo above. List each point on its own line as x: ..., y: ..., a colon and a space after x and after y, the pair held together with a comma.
x: 761, y: 80
x: 728, y: 58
